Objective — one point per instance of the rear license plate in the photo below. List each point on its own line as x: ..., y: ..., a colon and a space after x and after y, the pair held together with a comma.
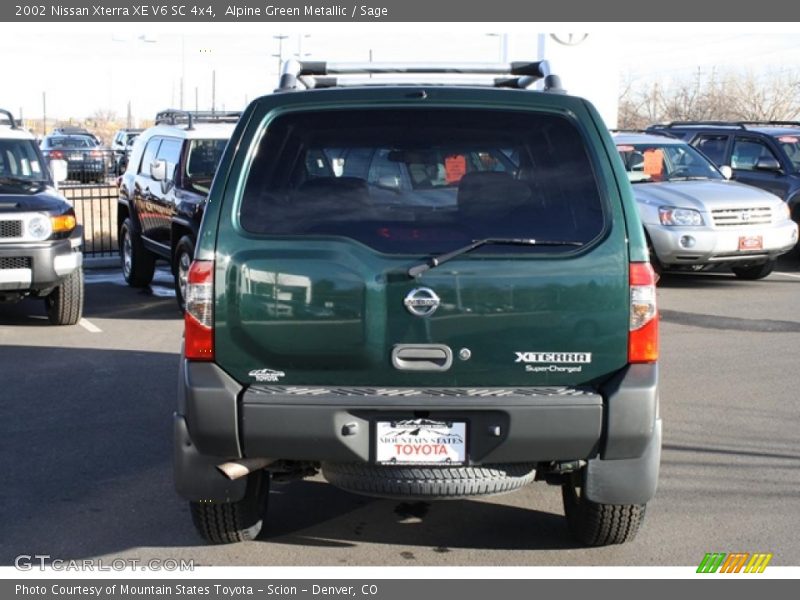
x: 76, y: 156
x: 751, y: 242
x: 421, y: 442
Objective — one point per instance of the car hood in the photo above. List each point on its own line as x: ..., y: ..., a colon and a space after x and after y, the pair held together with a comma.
x: 39, y: 198
x: 702, y: 195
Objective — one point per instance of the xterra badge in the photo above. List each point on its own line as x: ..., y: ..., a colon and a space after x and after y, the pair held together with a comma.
x: 554, y: 357
x: 266, y: 375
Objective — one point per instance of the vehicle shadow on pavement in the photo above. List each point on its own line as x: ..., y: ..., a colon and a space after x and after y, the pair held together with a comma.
x: 316, y: 514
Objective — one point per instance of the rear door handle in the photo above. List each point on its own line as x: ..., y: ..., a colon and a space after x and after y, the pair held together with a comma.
x: 422, y: 357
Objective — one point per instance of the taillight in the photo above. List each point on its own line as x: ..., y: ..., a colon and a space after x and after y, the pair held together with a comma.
x: 199, y: 316
x: 643, y: 336
x: 96, y: 154
x: 56, y: 155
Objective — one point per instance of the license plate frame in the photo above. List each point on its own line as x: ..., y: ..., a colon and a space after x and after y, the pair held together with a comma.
x: 750, y: 243
x: 428, y: 442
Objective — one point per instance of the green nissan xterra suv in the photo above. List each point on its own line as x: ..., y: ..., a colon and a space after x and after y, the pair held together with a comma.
x: 425, y: 290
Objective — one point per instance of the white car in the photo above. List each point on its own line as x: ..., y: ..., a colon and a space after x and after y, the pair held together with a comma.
x: 695, y: 218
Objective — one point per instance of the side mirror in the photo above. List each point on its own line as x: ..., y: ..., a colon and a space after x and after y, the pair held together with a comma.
x: 726, y: 171
x: 768, y: 163
x: 158, y: 170
x: 58, y: 169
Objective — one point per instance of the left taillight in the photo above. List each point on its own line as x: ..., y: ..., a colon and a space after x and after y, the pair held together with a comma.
x: 199, y: 315
x: 643, y: 335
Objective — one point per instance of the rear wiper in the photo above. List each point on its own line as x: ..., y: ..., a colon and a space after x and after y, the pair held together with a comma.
x: 417, y: 270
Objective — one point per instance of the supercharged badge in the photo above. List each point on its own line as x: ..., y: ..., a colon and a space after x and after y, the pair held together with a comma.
x: 266, y: 375
x: 554, y: 362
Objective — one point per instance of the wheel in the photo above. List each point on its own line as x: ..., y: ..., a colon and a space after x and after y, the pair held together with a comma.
x: 138, y: 265
x: 754, y: 271
x: 181, y: 261
x: 430, y: 483
x: 65, y: 303
x: 229, y: 522
x: 596, y: 524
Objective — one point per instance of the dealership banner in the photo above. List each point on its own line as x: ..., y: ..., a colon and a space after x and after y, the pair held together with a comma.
x: 378, y: 589
x: 285, y: 11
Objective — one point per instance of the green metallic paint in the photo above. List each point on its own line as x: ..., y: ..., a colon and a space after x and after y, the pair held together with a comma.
x: 328, y: 310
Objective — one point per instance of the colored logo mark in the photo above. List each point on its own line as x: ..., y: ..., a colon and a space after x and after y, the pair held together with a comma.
x: 738, y: 562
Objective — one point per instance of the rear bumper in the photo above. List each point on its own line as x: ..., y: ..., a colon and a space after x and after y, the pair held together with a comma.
x: 227, y: 421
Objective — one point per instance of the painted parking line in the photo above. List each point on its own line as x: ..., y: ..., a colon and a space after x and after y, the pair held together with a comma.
x: 89, y: 326
x: 792, y: 275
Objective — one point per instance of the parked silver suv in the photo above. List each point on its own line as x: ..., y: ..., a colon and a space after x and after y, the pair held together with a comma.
x: 695, y: 218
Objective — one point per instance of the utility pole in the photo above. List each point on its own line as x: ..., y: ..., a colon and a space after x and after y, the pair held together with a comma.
x: 213, y: 91
x: 44, y: 113
x: 279, y: 55
x: 196, y: 98
x: 183, y: 65
x: 130, y: 116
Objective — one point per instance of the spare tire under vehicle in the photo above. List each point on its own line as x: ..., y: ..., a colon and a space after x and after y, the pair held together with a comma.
x: 429, y: 483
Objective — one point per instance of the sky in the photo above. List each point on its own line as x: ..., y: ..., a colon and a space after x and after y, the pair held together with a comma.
x: 89, y: 67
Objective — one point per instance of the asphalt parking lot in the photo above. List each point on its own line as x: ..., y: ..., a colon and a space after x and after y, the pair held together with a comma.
x: 85, y: 441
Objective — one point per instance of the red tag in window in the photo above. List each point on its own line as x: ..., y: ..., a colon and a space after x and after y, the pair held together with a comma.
x: 654, y: 163
x: 455, y: 167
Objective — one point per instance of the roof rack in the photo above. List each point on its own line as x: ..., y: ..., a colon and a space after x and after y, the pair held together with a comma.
x: 9, y: 118
x: 297, y: 74
x: 732, y: 124
x: 175, y: 116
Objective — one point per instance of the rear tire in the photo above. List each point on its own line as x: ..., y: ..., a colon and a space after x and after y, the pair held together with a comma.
x: 597, y: 524
x: 427, y: 483
x: 181, y: 261
x: 755, y: 271
x: 138, y: 265
x: 230, y: 522
x: 65, y: 303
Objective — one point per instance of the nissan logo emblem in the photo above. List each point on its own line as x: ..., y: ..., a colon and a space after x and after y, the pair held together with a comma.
x: 421, y: 302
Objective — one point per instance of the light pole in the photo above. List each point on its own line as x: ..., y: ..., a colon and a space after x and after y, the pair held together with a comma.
x: 279, y: 55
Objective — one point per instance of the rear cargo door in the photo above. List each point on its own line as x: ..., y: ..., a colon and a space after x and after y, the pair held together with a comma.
x: 315, y: 278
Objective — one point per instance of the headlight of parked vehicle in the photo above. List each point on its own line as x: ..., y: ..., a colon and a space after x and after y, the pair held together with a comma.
x: 679, y: 216
x: 40, y: 227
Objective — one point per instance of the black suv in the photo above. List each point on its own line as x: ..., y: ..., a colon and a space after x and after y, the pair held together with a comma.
x: 164, y: 190
x: 40, y: 240
x: 423, y: 290
x: 764, y: 154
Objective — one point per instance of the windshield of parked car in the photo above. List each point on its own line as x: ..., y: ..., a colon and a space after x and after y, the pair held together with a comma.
x: 20, y: 164
x: 790, y: 144
x: 71, y: 142
x: 648, y: 163
x: 423, y: 180
x: 202, y: 162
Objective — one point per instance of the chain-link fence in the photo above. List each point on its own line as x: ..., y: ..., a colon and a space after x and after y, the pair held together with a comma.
x: 95, y: 209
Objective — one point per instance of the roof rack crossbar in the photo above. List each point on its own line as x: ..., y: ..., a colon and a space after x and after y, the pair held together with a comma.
x: 10, y: 117
x: 317, y: 74
x: 173, y: 116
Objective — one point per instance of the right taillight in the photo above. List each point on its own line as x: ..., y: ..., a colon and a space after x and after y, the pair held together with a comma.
x: 199, y: 316
x: 643, y: 336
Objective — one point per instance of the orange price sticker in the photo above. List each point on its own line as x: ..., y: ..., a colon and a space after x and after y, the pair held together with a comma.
x: 654, y: 162
x: 455, y: 167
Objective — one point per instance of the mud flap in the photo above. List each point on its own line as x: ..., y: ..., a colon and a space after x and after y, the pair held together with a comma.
x: 625, y: 481
x: 196, y: 476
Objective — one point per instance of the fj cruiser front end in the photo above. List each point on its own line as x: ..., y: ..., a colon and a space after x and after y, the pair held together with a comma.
x: 40, y: 239
x: 424, y: 291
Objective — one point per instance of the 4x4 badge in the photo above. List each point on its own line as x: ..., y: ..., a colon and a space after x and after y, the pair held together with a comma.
x: 421, y: 302
x: 266, y: 375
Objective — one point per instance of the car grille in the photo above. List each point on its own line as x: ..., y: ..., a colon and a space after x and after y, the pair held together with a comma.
x: 10, y: 229
x: 15, y: 262
x: 730, y: 217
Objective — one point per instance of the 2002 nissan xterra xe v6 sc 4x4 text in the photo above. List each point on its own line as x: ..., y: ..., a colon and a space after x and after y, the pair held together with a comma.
x: 423, y: 290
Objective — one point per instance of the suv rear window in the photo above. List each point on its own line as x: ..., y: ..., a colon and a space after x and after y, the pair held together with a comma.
x: 420, y: 180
